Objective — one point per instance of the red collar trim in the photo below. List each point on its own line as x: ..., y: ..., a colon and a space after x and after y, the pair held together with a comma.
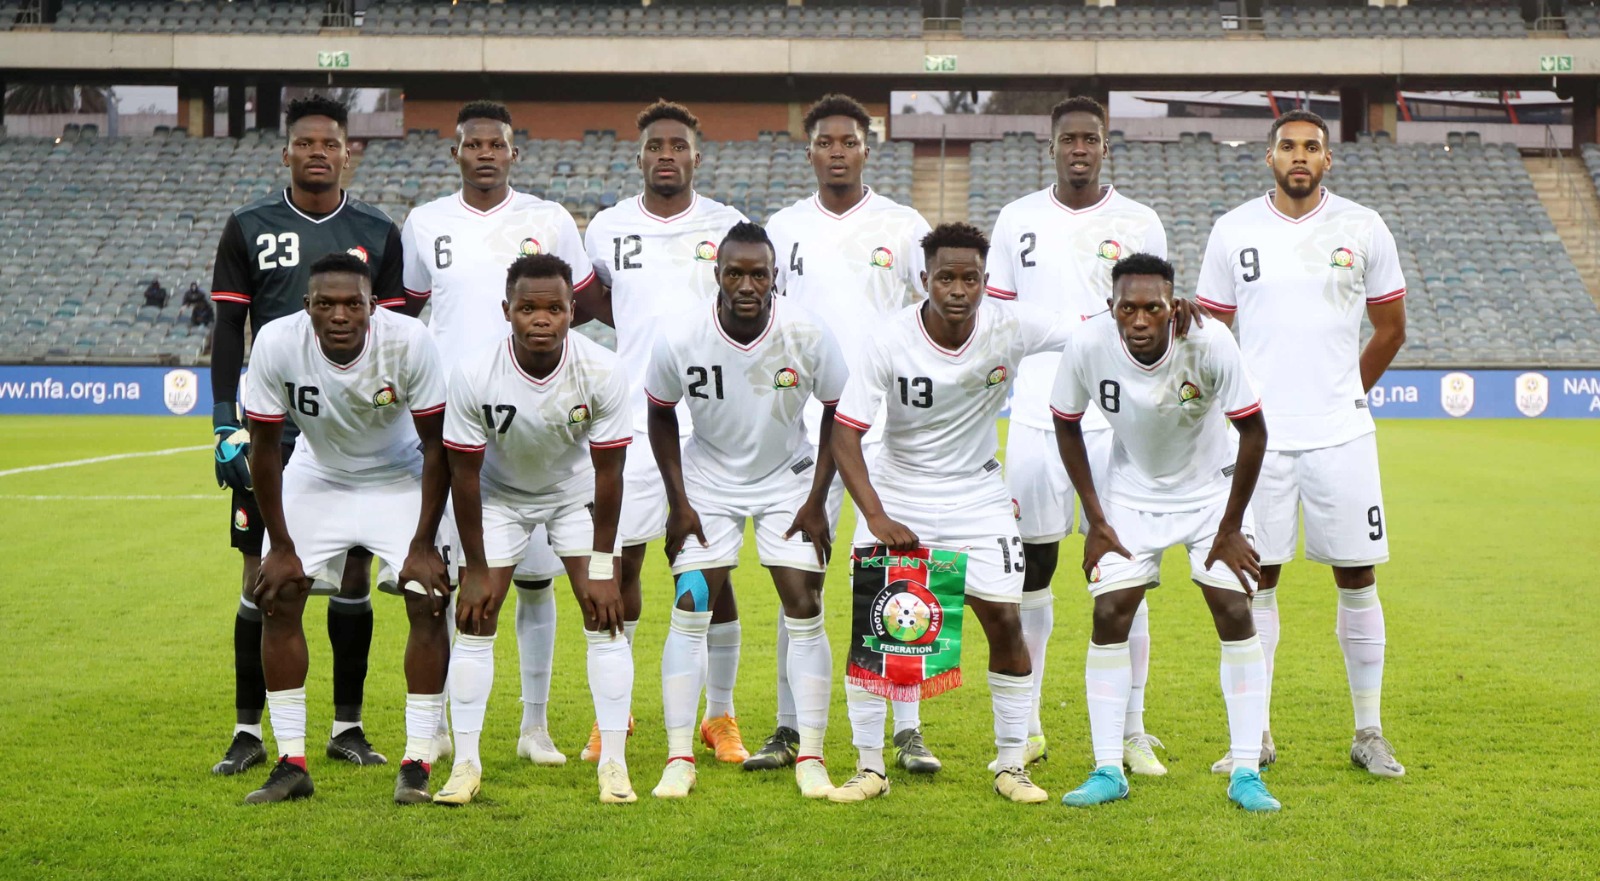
x: 511, y: 352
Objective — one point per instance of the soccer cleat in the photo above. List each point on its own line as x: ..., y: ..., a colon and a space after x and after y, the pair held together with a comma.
x: 441, y: 746
x: 1247, y: 791
x: 1369, y: 749
x: 1033, y: 751
x: 866, y: 784
x: 287, y: 782
x: 721, y: 736
x: 812, y: 776
x: 1139, y: 755
x: 1106, y: 784
x: 1014, y: 784
x: 677, y: 780
x: 245, y: 752
x: 352, y: 746
x: 912, y: 754
x: 779, y: 751
x: 536, y: 746
x: 614, y: 786
x: 411, y: 784
x: 591, y: 750
x: 465, y: 780
x: 1269, y: 754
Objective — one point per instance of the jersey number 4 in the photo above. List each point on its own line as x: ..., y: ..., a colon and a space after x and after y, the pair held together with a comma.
x: 278, y: 250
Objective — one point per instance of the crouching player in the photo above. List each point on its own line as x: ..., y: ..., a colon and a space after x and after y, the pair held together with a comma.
x: 1173, y: 479
x: 358, y: 479
x: 746, y: 367
x: 537, y: 430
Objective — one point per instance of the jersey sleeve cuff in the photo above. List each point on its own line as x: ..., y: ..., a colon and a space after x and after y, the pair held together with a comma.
x: 465, y: 448
x: 428, y: 411
x: 418, y: 294
x: 611, y: 444
x: 1387, y: 298
x: 1002, y: 293
x: 230, y: 297
x: 587, y: 280
x: 1214, y: 306
x: 263, y: 417
x: 392, y: 303
x: 1064, y: 415
x: 659, y: 402
x: 846, y: 421
x: 1242, y: 412
x: 832, y: 403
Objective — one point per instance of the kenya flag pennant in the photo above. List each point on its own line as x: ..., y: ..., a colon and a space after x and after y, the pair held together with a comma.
x: 905, y: 634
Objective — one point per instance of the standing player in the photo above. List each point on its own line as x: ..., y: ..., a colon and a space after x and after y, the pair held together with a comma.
x: 746, y: 368
x: 852, y: 258
x: 655, y: 256
x: 1055, y: 248
x: 1299, y: 266
x: 521, y: 416
x: 262, y: 267
x: 938, y: 373
x: 457, y: 250
x: 361, y: 479
x: 1172, y: 479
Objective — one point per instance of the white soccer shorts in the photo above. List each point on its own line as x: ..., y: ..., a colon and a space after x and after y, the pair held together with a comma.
x: 643, y: 517
x: 1337, y: 491
x: 771, y: 503
x: 975, y: 518
x: 1037, y: 480
x: 326, y: 519
x: 539, y: 563
x: 508, y: 527
x: 1148, y: 534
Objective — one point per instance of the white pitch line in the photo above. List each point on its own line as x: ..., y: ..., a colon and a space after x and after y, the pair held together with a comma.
x: 151, y: 498
x: 97, y: 459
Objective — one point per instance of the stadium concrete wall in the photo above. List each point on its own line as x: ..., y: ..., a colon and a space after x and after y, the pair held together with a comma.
x: 722, y: 121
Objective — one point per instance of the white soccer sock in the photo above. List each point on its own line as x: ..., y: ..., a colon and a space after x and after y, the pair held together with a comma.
x: 628, y: 627
x: 422, y: 714
x: 341, y: 727
x: 1264, y: 611
x: 286, y: 710
x: 1244, y: 690
x: 811, y: 672
x: 867, y: 712
x: 536, y: 651
x: 611, y: 685
x: 1038, y: 612
x: 683, y: 666
x: 252, y: 730
x: 1108, y: 678
x: 722, y: 667
x: 907, y: 715
x: 1012, y: 698
x: 1361, y: 635
x: 471, y: 677
x: 442, y: 725
x: 786, y: 710
x: 1139, y: 661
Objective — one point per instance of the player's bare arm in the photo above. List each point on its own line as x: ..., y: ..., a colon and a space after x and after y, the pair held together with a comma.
x: 1186, y: 314
x: 1388, y: 335
x: 1101, y: 539
x: 682, y: 519
x: 280, y: 575
x: 1230, y: 547
x: 592, y: 302
x: 812, y: 518
x: 423, y: 564
x: 475, y: 604
x: 601, y: 598
x: 846, y: 446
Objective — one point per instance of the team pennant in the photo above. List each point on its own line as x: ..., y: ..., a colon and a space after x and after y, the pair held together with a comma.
x: 905, y: 633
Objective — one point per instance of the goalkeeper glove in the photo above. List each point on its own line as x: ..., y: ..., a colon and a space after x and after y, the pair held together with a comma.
x: 232, y: 449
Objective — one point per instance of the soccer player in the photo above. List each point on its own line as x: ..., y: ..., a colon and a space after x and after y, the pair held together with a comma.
x: 1172, y: 479
x: 746, y: 368
x: 262, y: 267
x: 537, y: 430
x: 853, y: 258
x: 655, y: 255
x: 1299, y: 267
x: 350, y: 376
x: 457, y: 250
x: 938, y: 373
x: 1055, y: 248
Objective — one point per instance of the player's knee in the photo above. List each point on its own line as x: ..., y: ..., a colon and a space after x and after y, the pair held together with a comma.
x: 425, y: 615
x: 1269, y: 577
x: 1040, y: 560
x: 528, y: 584
x: 805, y: 604
x: 1354, y: 577
x: 1113, y: 616
x: 693, y: 593
x: 1232, y: 616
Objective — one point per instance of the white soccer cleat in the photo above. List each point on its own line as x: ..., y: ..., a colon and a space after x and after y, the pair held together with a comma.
x: 1014, y: 785
x: 1035, y: 749
x: 615, y: 788
x: 677, y: 779
x: 441, y: 747
x: 866, y: 784
x: 1139, y: 755
x: 1269, y: 754
x: 536, y: 746
x: 1369, y: 750
x: 812, y: 776
x: 462, y: 787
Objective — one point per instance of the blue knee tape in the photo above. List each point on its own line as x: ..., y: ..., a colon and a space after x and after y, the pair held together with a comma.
x: 694, y: 584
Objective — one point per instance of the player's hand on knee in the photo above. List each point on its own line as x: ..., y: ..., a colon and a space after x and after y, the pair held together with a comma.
x: 280, y: 577
x: 682, y: 522
x: 811, y: 522
x: 602, y: 604
x: 1184, y: 314
x: 425, y: 569
x: 1101, y: 540
x: 472, y: 606
x: 894, y: 534
x: 1232, y: 549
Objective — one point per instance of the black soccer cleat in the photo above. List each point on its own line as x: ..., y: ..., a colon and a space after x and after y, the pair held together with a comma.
x: 244, y: 753
x: 352, y: 747
x: 287, y: 782
x: 411, y: 784
x: 778, y: 752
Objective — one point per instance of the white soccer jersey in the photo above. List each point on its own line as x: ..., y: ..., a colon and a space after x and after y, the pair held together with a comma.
x: 1049, y: 255
x: 459, y: 255
x: 1170, y: 447
x: 943, y: 405
x: 658, y: 269
x: 747, y: 399
x: 354, y: 419
x: 1300, y: 288
x: 532, y: 431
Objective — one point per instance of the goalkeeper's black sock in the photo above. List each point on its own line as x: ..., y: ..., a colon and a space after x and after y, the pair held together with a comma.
x: 350, y: 633
x: 249, y: 683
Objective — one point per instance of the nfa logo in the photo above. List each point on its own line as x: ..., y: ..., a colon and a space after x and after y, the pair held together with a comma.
x: 1342, y: 258
x: 907, y: 612
x: 996, y: 376
x: 1533, y: 393
x: 578, y: 415
x: 883, y: 258
x: 1456, y: 393
x: 360, y: 252
x: 180, y: 391
x: 1109, y: 250
x: 706, y: 252
x: 383, y: 397
x: 786, y: 378
x: 1188, y: 392
x: 529, y: 247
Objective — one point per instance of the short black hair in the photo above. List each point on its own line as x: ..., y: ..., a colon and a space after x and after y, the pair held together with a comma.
x: 341, y: 261
x: 1296, y: 116
x: 664, y: 109
x: 483, y: 109
x: 1142, y: 264
x: 1078, y: 104
x: 955, y: 235
x: 835, y: 104
x: 748, y: 233
x: 537, y: 266
x: 317, y: 105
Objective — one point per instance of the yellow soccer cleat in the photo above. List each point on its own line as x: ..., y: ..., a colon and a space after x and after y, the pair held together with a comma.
x: 677, y: 780
x: 1013, y: 784
x: 462, y: 786
x: 721, y: 736
x: 866, y: 784
x: 615, y: 789
x: 812, y: 776
x: 591, y: 750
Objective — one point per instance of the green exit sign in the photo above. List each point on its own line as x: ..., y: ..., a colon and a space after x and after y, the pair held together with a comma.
x: 333, y: 60
x: 938, y: 64
x: 1555, y: 64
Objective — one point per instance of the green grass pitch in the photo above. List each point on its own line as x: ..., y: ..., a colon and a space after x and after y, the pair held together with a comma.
x: 116, y: 696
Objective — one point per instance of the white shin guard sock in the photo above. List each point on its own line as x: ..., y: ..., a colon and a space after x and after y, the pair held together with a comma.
x: 1012, y: 699
x: 286, y: 710
x: 683, y: 670
x: 1139, y: 661
x: 1108, y: 678
x: 1244, y: 691
x: 1362, y: 636
x: 1038, y: 613
x: 811, y: 675
x: 611, y: 685
x: 907, y: 715
x: 442, y: 724
x: 867, y: 713
x: 786, y: 709
x: 722, y: 667
x: 1264, y: 612
x: 471, y: 678
x: 422, y: 716
x: 536, y: 651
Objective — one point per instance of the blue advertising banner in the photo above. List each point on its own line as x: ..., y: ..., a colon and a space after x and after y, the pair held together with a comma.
x: 79, y: 390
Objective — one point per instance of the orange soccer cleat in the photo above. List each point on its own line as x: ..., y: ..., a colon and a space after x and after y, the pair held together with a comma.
x: 721, y: 736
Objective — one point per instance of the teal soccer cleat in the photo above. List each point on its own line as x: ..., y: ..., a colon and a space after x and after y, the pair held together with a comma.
x: 1248, y: 792
x: 1106, y: 784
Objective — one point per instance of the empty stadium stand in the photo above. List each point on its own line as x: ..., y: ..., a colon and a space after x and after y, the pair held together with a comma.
x: 1069, y: 21
x: 874, y: 20
x: 1480, y: 19
x: 259, y: 17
